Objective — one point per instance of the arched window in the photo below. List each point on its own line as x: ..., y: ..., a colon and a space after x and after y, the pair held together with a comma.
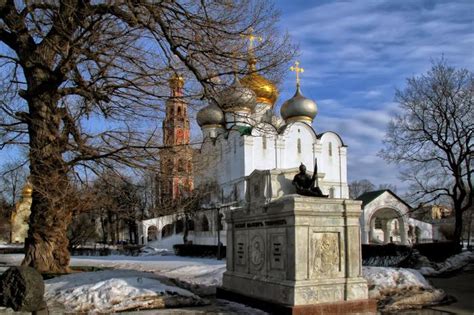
x: 204, y: 224
x: 378, y: 223
x: 330, y: 148
x: 264, y: 142
x: 190, y: 167
x: 181, y: 165
x: 299, y: 145
x: 152, y: 234
x: 179, y: 110
x: 167, y: 230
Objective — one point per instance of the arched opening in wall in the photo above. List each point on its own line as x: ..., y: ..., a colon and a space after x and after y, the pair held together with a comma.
x: 179, y: 226
x: 204, y: 224
x: 152, y: 233
x: 387, y: 225
x: 298, y: 145
x: 167, y: 230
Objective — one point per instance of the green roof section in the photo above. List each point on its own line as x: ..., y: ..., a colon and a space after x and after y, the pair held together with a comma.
x: 368, y: 196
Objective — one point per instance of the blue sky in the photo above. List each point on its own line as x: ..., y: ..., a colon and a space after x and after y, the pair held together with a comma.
x: 356, y: 53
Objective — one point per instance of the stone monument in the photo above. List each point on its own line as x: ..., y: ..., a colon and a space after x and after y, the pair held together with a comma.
x: 295, y: 254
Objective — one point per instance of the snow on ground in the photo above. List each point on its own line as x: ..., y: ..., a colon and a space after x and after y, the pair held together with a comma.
x: 453, y: 263
x: 393, y: 287
x: 2, y: 245
x: 115, y: 290
x: 400, y: 288
x: 151, y: 251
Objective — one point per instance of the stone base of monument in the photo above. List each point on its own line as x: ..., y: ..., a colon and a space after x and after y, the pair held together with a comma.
x: 297, y: 255
x: 365, y: 306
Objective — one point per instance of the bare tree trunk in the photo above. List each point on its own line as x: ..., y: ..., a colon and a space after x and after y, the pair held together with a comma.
x: 458, y: 224
x: 46, y: 247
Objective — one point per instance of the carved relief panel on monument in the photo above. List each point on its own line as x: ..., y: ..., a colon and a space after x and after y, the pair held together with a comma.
x: 325, y: 255
x: 257, y: 253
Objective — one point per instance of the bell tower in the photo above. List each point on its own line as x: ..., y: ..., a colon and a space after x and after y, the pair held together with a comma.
x: 175, y: 177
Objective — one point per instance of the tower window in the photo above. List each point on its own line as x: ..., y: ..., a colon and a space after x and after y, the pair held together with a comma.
x: 179, y: 110
x: 330, y: 149
x: 299, y: 145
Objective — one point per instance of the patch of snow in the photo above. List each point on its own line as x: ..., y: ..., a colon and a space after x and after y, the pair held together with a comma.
x: 453, y: 263
x: 384, y: 278
x: 151, y: 251
x: 115, y: 290
x: 399, y: 288
x: 8, y: 245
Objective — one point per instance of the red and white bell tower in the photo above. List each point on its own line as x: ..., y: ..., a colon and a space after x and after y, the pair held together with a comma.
x: 175, y: 178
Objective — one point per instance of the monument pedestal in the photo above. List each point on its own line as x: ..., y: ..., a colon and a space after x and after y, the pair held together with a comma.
x: 297, y: 255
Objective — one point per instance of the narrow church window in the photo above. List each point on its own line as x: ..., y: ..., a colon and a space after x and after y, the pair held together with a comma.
x: 330, y: 148
x: 299, y: 145
x: 179, y: 110
x: 204, y: 224
x: 264, y: 144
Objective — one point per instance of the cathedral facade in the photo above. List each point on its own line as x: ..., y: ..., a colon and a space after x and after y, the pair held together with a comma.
x: 243, y: 135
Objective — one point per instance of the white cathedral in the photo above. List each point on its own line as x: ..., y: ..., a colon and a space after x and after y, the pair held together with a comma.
x: 251, y: 154
x: 244, y: 135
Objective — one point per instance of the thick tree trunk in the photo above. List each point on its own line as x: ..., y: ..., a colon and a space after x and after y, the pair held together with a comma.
x: 46, y: 247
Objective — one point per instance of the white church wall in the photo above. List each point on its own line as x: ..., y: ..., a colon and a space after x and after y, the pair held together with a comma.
x: 260, y: 149
x: 332, y: 162
x: 298, y: 146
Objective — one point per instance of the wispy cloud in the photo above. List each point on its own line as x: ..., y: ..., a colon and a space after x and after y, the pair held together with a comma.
x: 356, y: 53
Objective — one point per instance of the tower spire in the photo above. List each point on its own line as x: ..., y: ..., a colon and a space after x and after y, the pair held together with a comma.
x: 251, y: 37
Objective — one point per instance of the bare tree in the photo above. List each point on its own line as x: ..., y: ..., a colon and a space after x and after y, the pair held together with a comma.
x: 13, y: 178
x: 69, y: 65
x: 432, y: 137
x: 358, y: 187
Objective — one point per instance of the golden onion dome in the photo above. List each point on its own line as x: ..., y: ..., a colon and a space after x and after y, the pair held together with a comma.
x: 27, y: 190
x: 264, y: 89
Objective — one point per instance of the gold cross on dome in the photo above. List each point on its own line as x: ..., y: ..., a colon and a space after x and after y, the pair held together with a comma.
x: 298, y: 70
x: 251, y: 38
